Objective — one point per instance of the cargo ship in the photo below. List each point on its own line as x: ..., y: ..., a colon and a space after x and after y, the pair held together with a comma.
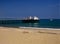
x: 30, y: 19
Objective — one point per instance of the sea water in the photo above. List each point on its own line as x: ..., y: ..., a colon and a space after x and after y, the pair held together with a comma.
x: 43, y: 23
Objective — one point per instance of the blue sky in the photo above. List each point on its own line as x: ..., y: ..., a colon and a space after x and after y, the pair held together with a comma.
x: 44, y: 9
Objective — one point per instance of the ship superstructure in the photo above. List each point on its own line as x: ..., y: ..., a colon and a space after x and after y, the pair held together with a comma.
x: 31, y: 19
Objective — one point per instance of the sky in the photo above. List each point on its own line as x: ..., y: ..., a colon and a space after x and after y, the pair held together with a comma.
x: 44, y: 9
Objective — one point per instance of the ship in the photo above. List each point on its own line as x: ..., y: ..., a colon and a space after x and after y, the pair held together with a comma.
x: 30, y: 19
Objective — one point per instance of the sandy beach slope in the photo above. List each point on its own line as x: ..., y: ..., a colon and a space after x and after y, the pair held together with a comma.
x: 28, y: 36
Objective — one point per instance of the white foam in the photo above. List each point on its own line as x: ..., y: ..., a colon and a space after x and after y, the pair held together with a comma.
x: 40, y: 28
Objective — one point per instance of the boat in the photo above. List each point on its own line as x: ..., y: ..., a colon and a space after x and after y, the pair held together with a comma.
x: 31, y: 20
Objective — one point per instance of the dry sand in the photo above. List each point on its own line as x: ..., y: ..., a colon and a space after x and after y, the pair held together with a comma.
x: 28, y: 36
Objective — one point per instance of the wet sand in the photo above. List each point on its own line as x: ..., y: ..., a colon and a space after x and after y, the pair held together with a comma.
x: 28, y: 36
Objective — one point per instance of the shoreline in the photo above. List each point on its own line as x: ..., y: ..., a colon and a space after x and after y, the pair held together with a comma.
x: 33, y: 29
x: 40, y: 28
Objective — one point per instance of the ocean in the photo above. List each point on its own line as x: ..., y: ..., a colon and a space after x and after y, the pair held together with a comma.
x: 43, y: 23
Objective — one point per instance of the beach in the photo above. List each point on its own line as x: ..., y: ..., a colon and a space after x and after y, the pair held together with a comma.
x: 10, y: 35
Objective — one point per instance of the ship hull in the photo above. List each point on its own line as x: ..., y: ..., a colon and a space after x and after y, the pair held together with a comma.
x: 30, y: 21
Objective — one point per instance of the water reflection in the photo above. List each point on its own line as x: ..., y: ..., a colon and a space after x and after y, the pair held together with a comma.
x: 33, y: 24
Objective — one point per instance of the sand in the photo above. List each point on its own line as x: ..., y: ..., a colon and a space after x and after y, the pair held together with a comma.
x: 28, y: 36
